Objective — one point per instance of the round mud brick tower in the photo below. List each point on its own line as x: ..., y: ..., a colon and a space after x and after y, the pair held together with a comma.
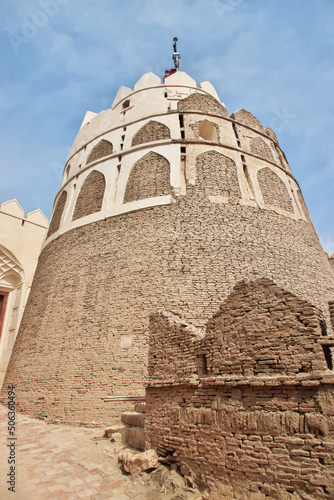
x: 166, y: 203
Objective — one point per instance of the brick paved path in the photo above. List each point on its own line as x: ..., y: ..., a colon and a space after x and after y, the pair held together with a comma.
x: 61, y: 462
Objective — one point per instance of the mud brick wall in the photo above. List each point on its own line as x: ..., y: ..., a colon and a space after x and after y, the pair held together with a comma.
x: 150, y: 176
x: 57, y: 214
x: 217, y: 175
x: 273, y: 190
x: 85, y: 328
x: 91, y: 195
x: 202, y: 102
x: 84, y: 333
x: 262, y: 329
x: 331, y: 261
x: 152, y: 131
x: 260, y: 148
x: 243, y: 440
x: 237, y: 433
x: 174, y: 349
x: 102, y: 149
x: 331, y: 312
x: 246, y: 118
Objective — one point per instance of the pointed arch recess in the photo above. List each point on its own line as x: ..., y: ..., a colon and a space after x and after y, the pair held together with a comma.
x: 149, y: 177
x: 260, y: 148
x: 217, y: 175
x: 273, y: 189
x: 203, y: 103
x: 57, y: 214
x: 102, y: 149
x: 91, y: 195
x: 151, y: 131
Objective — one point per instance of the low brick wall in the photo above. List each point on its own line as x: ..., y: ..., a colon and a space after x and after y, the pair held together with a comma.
x: 238, y: 431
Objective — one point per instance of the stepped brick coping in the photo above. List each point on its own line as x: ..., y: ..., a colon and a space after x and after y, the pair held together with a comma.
x: 124, y: 398
x: 243, y: 380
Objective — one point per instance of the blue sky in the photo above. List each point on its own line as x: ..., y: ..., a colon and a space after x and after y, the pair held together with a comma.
x: 60, y: 58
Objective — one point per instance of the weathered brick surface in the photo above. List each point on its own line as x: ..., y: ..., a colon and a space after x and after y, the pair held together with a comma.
x: 331, y: 312
x: 102, y: 149
x: 150, y: 176
x: 91, y: 195
x: 306, y: 214
x: 152, y: 131
x: 85, y: 329
x: 248, y: 119
x: 273, y: 189
x: 260, y: 148
x: 202, y: 102
x: 331, y: 262
x: 57, y: 214
x: 217, y: 175
x: 242, y: 429
x: 112, y: 274
x: 262, y: 329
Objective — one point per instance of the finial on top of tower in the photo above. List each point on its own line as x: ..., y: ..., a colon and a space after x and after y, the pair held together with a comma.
x: 176, y: 55
x: 176, y: 59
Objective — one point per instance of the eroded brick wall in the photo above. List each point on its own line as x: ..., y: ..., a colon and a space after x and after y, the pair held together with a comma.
x: 260, y: 148
x: 91, y: 195
x: 57, y: 214
x: 331, y: 262
x: 273, y: 189
x: 265, y: 330
x: 244, y: 432
x: 248, y: 119
x: 150, y: 176
x: 217, y: 175
x: 96, y: 286
x: 102, y: 149
x: 202, y: 102
x: 152, y: 131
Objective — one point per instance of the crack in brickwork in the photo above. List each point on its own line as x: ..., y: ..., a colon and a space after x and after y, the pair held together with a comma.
x: 274, y: 191
x: 152, y: 131
x: 150, y: 176
x: 102, y: 149
x: 57, y: 215
x: 91, y: 195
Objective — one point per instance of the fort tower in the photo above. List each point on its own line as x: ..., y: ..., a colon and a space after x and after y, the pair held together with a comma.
x: 166, y: 203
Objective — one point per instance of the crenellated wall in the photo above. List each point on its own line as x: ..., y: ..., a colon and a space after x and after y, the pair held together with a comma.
x: 178, y: 210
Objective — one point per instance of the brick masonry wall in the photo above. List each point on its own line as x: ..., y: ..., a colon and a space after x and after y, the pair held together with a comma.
x: 57, y: 214
x: 91, y: 195
x: 217, y: 175
x: 331, y: 262
x: 273, y: 190
x: 260, y: 148
x: 331, y: 312
x: 246, y: 442
x: 102, y: 149
x: 248, y: 119
x: 152, y: 131
x: 262, y: 329
x: 202, y: 102
x: 150, y: 176
x: 85, y: 329
x: 242, y: 431
x: 89, y: 313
